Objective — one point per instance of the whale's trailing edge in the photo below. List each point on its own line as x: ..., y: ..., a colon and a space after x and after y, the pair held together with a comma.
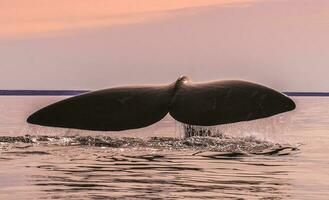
x: 202, y: 104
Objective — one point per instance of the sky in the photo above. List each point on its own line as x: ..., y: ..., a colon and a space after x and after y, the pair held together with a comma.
x: 74, y: 44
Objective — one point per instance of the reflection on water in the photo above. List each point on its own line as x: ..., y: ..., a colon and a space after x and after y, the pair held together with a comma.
x: 97, y: 173
x: 84, y: 167
x: 157, y: 163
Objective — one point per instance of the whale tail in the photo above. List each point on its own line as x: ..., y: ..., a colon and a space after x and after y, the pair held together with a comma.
x: 203, y: 104
x: 222, y: 102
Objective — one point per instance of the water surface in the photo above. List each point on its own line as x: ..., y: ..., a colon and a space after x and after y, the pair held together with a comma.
x: 284, y: 157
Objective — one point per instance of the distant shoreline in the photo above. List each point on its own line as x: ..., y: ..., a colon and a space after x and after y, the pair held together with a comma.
x: 76, y: 92
x: 41, y: 92
x: 307, y: 94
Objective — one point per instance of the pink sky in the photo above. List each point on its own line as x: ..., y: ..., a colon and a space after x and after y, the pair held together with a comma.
x: 71, y: 44
x: 41, y: 17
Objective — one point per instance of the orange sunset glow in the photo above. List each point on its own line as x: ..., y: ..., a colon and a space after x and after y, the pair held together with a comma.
x: 262, y: 40
x: 24, y: 18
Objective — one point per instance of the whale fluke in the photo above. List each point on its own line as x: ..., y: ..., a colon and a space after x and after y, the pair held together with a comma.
x: 202, y: 104
x: 112, y: 109
x: 222, y: 102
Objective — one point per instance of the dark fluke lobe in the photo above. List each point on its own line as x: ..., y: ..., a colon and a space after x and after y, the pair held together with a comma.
x: 112, y: 109
x: 203, y: 104
x: 221, y: 102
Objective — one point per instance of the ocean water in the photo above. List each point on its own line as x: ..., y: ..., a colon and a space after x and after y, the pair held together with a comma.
x: 281, y: 157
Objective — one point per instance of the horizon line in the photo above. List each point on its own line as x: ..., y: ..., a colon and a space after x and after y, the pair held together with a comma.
x: 77, y: 92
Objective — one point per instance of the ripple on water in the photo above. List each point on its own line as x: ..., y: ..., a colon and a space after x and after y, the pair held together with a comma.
x: 247, y: 144
x: 98, y: 167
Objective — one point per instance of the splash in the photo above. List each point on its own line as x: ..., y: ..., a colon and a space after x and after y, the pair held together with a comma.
x: 245, y: 145
x: 268, y: 129
x: 259, y: 137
